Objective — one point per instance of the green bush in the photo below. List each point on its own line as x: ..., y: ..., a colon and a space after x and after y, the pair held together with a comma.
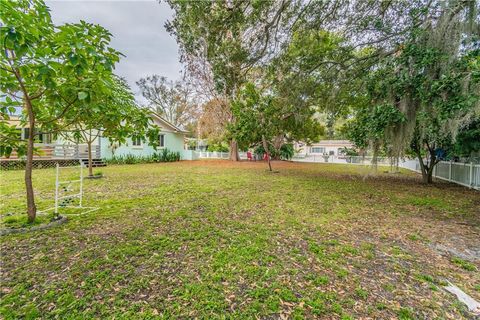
x: 349, y: 152
x: 164, y: 155
x: 219, y: 147
x: 285, y: 153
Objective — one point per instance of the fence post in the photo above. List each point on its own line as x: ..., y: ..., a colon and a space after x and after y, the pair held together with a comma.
x: 450, y: 171
x: 471, y: 175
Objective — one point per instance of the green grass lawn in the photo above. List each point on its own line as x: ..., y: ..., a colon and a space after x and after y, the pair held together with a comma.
x: 215, y: 239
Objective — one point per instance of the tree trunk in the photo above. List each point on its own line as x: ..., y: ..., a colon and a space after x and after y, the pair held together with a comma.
x: 375, y: 156
x: 267, y: 152
x: 234, y: 156
x: 433, y: 162
x: 277, y: 145
x: 31, y: 207
x: 430, y: 175
x: 427, y: 171
x: 90, y: 161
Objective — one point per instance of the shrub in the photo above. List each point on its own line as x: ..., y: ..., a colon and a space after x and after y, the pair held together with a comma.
x: 219, y: 147
x: 285, y: 153
x: 164, y: 155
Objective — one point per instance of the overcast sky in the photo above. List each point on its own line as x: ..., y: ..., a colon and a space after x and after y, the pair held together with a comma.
x: 138, y: 32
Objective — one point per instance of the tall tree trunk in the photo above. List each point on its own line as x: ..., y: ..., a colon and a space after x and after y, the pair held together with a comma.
x: 267, y: 152
x: 90, y: 161
x: 375, y: 156
x: 31, y: 207
x: 234, y: 156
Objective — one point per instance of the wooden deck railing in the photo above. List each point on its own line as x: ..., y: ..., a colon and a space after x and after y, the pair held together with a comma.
x: 61, y: 151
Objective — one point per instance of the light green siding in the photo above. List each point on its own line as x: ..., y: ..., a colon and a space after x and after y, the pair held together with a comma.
x: 174, y: 141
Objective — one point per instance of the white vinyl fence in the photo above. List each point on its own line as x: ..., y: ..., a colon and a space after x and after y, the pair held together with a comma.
x: 218, y: 155
x: 465, y: 174
x: 339, y: 159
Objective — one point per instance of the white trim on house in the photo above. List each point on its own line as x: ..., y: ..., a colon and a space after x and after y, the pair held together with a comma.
x: 168, y: 124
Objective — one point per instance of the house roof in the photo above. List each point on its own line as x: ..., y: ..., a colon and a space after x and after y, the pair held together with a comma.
x: 167, y: 123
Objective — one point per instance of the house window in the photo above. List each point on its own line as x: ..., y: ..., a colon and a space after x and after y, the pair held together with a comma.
x: 317, y: 150
x: 26, y: 133
x: 161, y: 140
x: 39, y: 136
x: 136, y: 141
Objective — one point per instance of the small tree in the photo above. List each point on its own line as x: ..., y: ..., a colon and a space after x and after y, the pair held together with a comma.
x: 46, y: 70
x: 261, y: 119
x: 112, y: 113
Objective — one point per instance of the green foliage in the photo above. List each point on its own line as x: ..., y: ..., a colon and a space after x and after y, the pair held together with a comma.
x: 50, y: 72
x: 312, y: 73
x: 164, y: 155
x: 260, y: 116
x: 464, y: 264
x: 371, y: 124
x: 285, y: 153
x: 226, y: 44
x: 57, y: 69
x: 405, y: 314
x: 20, y: 221
x: 219, y: 147
x: 114, y: 114
x: 467, y: 142
x: 420, y: 97
x: 349, y: 152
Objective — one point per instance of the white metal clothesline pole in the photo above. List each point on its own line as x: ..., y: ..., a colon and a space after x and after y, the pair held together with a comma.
x: 56, y: 190
x: 66, y: 187
x: 81, y: 182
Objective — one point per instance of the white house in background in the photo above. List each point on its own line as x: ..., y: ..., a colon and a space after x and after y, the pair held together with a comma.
x: 323, y: 147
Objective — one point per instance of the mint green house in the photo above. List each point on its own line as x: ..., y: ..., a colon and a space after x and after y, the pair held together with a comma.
x: 171, y: 137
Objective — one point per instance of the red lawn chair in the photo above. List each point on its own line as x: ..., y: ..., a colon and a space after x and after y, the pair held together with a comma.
x: 249, y: 156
